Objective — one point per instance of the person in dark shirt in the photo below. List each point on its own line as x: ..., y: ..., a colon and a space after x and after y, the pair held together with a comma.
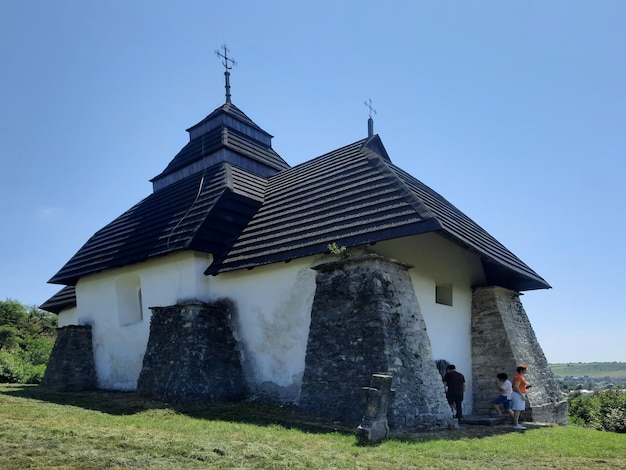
x: 455, y: 388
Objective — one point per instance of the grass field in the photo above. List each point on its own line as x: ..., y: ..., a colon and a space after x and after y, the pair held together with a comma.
x: 44, y: 429
x: 590, y: 369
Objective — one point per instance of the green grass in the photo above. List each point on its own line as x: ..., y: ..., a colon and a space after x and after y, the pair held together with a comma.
x: 44, y: 429
x: 590, y: 369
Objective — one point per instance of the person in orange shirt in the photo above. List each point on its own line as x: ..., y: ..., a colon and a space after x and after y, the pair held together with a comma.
x: 518, y: 396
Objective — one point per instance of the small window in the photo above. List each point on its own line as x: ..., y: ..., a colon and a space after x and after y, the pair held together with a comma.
x: 129, y: 301
x: 443, y: 294
x: 140, y: 303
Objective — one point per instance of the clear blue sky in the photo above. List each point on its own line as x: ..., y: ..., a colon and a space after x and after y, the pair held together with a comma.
x: 515, y: 111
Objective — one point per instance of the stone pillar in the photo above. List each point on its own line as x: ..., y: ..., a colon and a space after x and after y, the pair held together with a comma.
x: 374, y: 427
x: 502, y: 337
x: 71, y: 367
x: 192, y: 355
x: 365, y: 320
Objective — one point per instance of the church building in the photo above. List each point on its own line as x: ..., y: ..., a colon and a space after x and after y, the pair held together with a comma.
x: 243, y: 277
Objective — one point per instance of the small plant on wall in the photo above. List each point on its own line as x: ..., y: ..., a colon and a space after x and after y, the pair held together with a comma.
x: 337, y: 250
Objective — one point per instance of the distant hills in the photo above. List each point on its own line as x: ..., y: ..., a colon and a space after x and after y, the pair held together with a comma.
x: 615, y: 370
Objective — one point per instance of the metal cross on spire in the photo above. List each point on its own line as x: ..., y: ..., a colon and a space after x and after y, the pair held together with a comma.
x: 369, y: 105
x: 228, y: 63
x: 370, y: 121
x: 224, y: 56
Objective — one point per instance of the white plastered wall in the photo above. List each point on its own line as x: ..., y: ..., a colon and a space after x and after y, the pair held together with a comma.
x: 118, y: 346
x: 272, y: 309
x: 438, y: 261
x: 69, y: 316
x: 273, y: 315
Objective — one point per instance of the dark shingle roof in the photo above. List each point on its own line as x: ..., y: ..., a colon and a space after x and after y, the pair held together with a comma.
x: 339, y: 196
x: 226, y: 135
x: 204, y: 212
x: 247, y: 217
x: 63, y: 299
x: 229, y: 109
x: 223, y: 137
x: 354, y: 196
x: 460, y: 228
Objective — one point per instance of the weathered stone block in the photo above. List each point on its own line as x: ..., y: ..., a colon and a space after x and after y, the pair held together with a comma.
x: 374, y: 427
x: 502, y: 337
x: 192, y: 355
x: 366, y: 320
x: 71, y: 367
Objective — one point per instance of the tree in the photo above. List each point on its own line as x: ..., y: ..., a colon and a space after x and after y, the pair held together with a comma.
x: 604, y: 410
x: 8, y: 337
x: 27, y: 335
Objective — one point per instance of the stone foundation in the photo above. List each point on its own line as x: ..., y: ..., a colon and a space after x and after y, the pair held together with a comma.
x: 502, y: 337
x: 192, y: 356
x: 366, y: 320
x: 71, y: 367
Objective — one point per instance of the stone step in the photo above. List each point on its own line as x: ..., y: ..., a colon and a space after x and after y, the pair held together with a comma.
x: 484, y: 420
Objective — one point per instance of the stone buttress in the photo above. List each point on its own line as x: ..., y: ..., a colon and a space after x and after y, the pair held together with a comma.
x: 71, y: 366
x: 503, y: 337
x: 366, y: 320
x: 192, y: 355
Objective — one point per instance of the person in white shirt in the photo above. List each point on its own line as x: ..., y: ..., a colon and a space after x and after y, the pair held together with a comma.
x: 505, y: 388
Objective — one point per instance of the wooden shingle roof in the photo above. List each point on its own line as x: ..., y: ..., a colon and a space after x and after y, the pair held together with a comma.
x: 228, y: 135
x: 338, y: 197
x: 224, y: 137
x: 228, y: 193
x: 63, y: 299
x: 455, y: 225
x: 228, y: 109
x: 205, y: 211
x: 354, y: 196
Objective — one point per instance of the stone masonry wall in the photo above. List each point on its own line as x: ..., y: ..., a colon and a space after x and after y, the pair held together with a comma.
x: 192, y: 355
x: 71, y: 367
x: 366, y: 319
x: 503, y: 337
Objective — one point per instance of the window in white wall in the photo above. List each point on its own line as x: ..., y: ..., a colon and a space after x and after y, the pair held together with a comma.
x: 140, y: 304
x: 443, y: 294
x: 129, y: 303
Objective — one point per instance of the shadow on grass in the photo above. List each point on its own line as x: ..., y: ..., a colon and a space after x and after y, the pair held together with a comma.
x: 249, y: 412
x: 128, y: 403
x: 115, y: 403
x: 465, y: 431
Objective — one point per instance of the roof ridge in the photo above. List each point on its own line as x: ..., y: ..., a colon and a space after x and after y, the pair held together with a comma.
x: 375, y: 144
x: 315, y: 160
x: 383, y: 163
x: 234, y: 111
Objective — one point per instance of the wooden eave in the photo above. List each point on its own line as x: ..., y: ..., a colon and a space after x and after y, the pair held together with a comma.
x: 62, y: 300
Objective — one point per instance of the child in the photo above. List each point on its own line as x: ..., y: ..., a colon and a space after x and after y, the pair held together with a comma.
x: 505, y: 388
